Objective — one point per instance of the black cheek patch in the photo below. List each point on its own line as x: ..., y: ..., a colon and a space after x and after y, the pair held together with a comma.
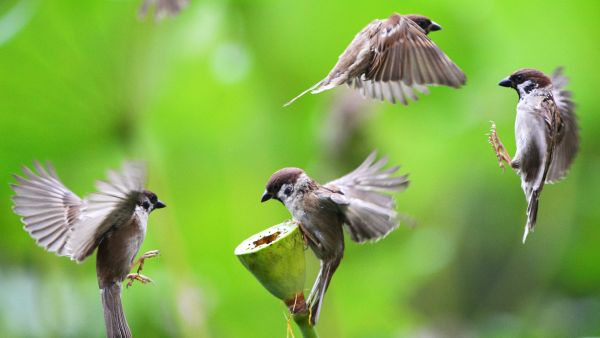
x: 530, y: 87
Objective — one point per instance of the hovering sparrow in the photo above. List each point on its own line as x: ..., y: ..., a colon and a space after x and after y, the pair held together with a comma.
x: 546, y: 134
x: 163, y: 8
x: 390, y: 59
x: 358, y: 200
x: 112, y: 220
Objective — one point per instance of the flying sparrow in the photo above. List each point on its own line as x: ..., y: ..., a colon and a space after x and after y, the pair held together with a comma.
x: 546, y: 134
x: 360, y: 201
x: 390, y: 59
x: 112, y: 220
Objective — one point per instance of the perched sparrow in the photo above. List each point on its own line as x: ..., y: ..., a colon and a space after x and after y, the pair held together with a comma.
x: 389, y: 59
x: 357, y: 200
x: 546, y: 134
x: 163, y: 8
x: 113, y: 220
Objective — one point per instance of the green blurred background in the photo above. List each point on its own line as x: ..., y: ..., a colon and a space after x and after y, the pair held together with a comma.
x: 86, y: 84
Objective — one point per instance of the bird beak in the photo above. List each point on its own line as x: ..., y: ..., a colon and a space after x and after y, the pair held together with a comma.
x: 434, y: 27
x: 159, y: 205
x: 505, y: 82
x: 265, y: 197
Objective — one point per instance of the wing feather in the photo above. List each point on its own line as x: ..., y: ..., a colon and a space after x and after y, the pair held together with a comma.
x: 113, y: 202
x: 364, y: 198
x: 405, y: 54
x: 48, y: 209
x: 567, y: 144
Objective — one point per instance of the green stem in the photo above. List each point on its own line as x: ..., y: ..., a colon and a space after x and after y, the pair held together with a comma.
x: 308, y: 331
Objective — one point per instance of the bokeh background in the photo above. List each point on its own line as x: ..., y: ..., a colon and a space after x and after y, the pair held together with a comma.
x: 86, y: 85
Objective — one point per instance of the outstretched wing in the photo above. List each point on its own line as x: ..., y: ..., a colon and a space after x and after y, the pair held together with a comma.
x: 48, y: 209
x: 113, y: 202
x: 353, y: 62
x: 567, y: 140
x: 406, y: 59
x: 364, y: 198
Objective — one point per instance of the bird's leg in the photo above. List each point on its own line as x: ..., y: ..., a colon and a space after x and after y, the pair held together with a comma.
x: 140, y: 265
x: 140, y: 261
x: 137, y: 276
x: 501, y: 153
x: 305, y: 234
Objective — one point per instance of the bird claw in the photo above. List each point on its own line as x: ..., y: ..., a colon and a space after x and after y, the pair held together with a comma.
x: 498, y: 147
x: 139, y: 277
x: 140, y: 262
x: 149, y: 254
x: 305, y: 235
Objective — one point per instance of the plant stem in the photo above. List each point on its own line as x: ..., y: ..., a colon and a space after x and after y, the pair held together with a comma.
x: 308, y: 331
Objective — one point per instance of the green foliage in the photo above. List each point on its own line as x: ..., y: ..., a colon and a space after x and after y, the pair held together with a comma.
x: 86, y: 85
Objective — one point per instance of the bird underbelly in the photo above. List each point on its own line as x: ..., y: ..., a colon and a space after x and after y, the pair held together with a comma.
x: 326, y: 239
x: 531, y: 148
x: 117, y: 252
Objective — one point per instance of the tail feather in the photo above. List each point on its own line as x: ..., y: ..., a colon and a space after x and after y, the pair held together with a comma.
x: 303, y: 93
x: 317, y: 293
x: 532, y: 210
x: 114, y: 318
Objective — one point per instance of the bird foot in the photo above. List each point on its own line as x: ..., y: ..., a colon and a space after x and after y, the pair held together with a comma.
x: 305, y: 235
x: 140, y: 262
x: 501, y: 153
x: 136, y: 276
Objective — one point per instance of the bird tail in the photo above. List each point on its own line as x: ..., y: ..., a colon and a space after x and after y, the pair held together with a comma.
x: 303, y: 93
x: 317, y: 293
x: 532, y: 209
x: 114, y: 318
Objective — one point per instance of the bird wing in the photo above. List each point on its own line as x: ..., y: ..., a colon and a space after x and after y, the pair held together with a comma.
x: 567, y: 140
x: 351, y: 63
x: 114, y: 200
x: 549, y: 112
x: 49, y: 210
x: 363, y: 198
x: 406, y: 59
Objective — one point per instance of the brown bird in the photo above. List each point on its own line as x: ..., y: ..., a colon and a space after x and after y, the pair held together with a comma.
x: 360, y: 201
x: 112, y: 220
x: 546, y: 134
x: 391, y: 59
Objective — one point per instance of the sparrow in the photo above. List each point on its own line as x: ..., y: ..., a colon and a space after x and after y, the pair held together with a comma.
x: 111, y: 221
x: 163, y: 8
x: 391, y: 59
x: 546, y: 134
x: 360, y: 201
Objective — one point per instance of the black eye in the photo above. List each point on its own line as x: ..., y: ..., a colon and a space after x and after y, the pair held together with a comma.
x: 146, y: 205
x: 519, y: 78
x: 288, y: 191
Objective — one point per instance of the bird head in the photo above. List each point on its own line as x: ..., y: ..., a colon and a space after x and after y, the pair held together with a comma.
x: 284, y: 185
x: 425, y: 23
x: 525, y: 80
x: 149, y: 201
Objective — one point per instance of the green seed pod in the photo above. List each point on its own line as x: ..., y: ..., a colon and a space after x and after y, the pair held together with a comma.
x: 276, y: 258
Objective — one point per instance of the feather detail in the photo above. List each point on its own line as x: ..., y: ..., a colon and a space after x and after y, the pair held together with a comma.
x: 49, y: 210
x: 363, y: 196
